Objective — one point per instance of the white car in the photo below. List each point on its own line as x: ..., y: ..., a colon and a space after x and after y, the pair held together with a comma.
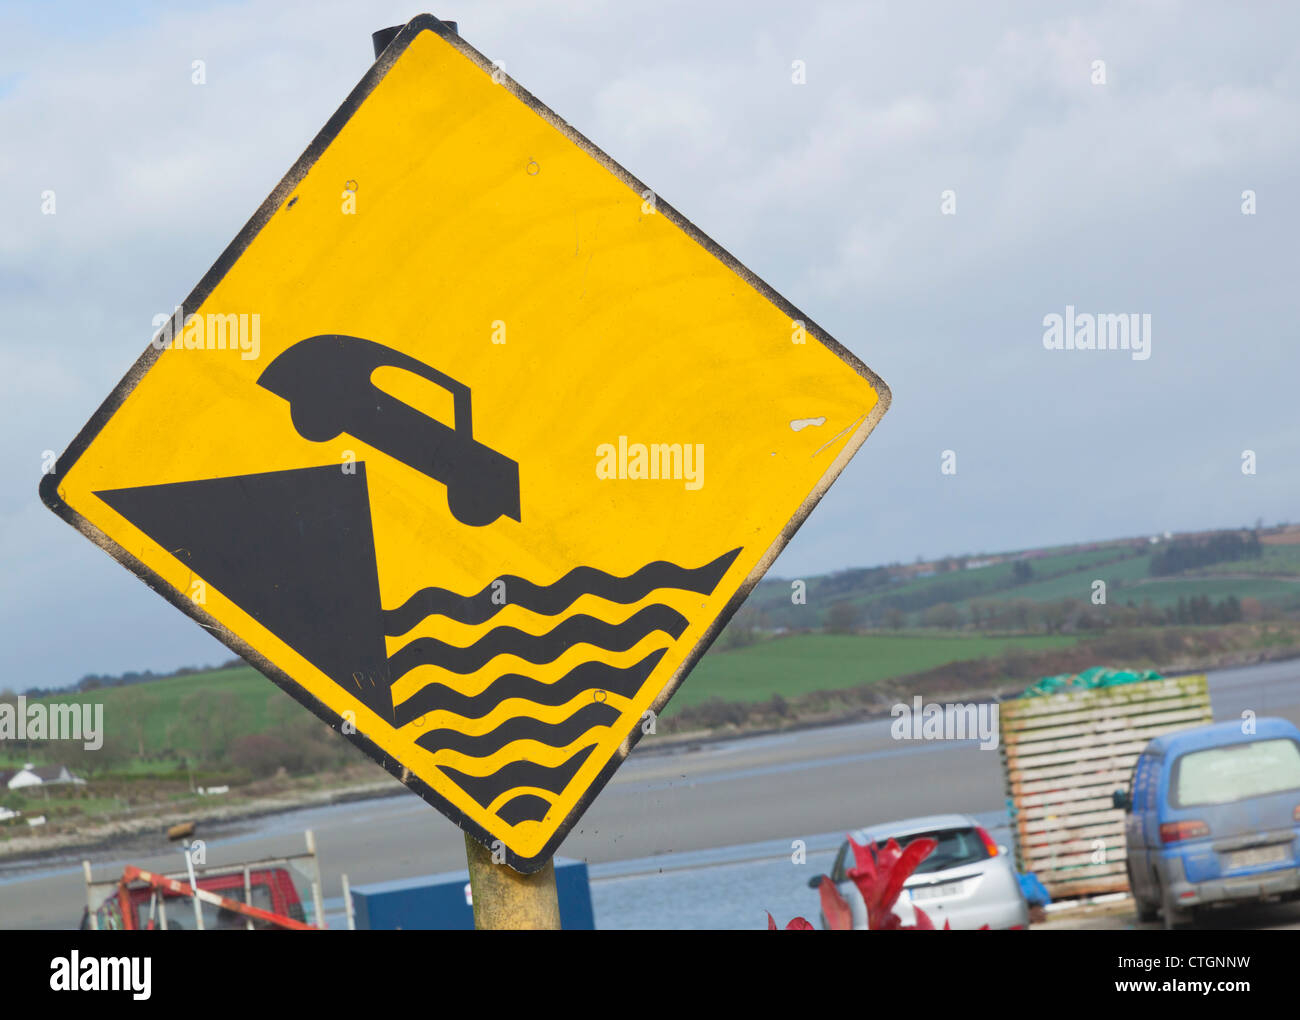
x: 967, y: 881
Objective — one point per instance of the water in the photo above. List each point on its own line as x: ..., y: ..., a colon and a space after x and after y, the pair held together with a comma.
x: 725, y: 896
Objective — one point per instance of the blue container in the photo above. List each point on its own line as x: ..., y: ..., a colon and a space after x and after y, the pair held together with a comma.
x: 442, y: 902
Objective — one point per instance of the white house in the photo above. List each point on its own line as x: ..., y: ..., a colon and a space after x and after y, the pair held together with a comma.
x: 32, y: 775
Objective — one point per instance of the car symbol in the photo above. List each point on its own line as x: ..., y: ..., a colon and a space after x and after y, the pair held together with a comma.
x: 327, y: 381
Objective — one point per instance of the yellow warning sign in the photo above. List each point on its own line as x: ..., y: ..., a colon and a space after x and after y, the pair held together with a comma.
x: 470, y: 442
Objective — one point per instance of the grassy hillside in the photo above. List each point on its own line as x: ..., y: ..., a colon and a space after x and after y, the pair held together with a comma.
x: 892, y: 621
x: 1077, y: 584
x: 160, y: 725
x: 152, y: 708
x: 794, y: 665
x: 879, y: 600
x: 1164, y: 593
x: 1274, y: 559
x: 155, y: 713
x: 873, y: 593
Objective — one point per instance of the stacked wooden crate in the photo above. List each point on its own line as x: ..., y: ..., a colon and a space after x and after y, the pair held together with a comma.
x: 1064, y: 754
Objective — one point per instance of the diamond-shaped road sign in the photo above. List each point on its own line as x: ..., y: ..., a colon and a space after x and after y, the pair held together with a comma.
x: 469, y: 442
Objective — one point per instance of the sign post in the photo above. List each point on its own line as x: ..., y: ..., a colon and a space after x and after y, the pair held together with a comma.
x: 504, y: 898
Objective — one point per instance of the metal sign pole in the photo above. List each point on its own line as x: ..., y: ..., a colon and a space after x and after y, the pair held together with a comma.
x: 504, y: 898
x: 317, y: 896
x: 194, y: 887
x: 347, y: 904
x: 91, y: 914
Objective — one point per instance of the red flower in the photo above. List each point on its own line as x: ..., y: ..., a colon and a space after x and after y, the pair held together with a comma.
x: 879, y: 873
x: 838, y: 914
x: 879, y: 876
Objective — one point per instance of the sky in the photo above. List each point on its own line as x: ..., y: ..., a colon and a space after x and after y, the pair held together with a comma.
x: 1116, y: 187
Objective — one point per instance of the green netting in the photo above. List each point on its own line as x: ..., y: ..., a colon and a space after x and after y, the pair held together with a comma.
x: 1096, y: 676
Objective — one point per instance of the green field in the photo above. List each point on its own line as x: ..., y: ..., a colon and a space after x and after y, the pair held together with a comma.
x: 1060, y: 575
x: 1078, y: 584
x: 1274, y: 559
x: 159, y: 702
x: 788, y: 666
x: 1056, y: 577
x: 795, y: 665
x: 1165, y: 593
x: 148, y: 712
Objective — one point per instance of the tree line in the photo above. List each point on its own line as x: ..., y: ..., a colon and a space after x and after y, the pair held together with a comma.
x: 1192, y: 554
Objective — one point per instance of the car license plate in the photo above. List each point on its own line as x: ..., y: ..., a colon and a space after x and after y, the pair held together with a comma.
x: 934, y: 892
x: 1256, y: 856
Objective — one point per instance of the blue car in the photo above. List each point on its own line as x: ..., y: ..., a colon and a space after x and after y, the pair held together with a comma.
x: 1213, y: 817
